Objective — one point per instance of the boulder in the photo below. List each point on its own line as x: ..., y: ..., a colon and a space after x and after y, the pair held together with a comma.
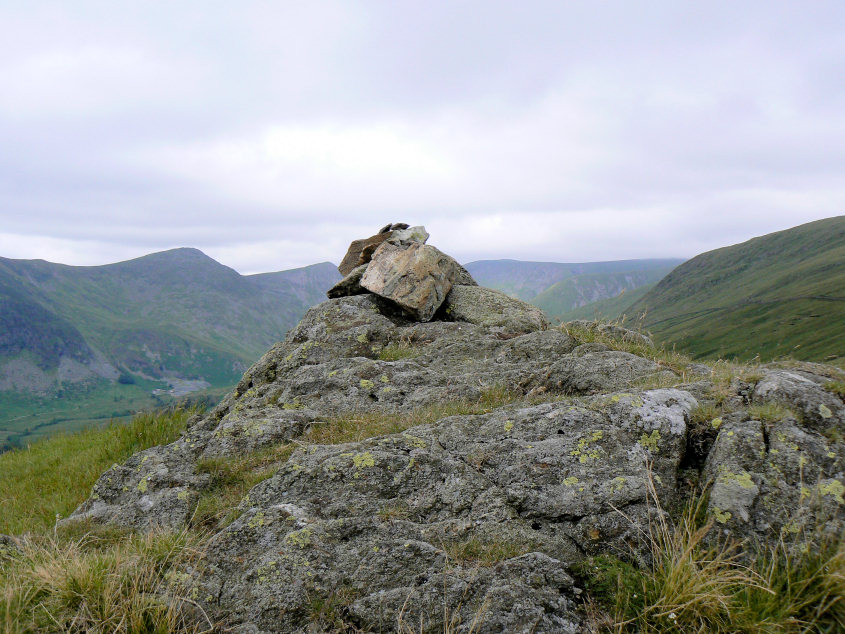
x: 360, y: 251
x: 382, y: 524
x: 612, y: 330
x: 492, y: 309
x: 803, y: 392
x: 415, y: 276
x: 411, y: 234
x: 349, y: 285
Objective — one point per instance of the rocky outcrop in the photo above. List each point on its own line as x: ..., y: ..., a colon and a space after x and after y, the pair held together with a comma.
x: 470, y: 521
x: 780, y: 471
x: 493, y: 309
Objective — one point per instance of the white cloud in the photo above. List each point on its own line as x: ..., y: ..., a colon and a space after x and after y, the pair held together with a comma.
x: 270, y: 135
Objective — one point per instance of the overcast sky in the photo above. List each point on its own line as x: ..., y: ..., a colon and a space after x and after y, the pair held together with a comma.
x: 271, y: 134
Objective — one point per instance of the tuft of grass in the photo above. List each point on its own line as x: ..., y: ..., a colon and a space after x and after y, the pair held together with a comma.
x: 52, y: 477
x: 837, y: 387
x: 231, y: 479
x: 485, y: 552
x: 667, y: 359
x: 692, y: 585
x: 771, y: 413
x: 798, y: 593
x: 50, y: 585
x: 357, y: 427
x: 329, y: 613
x: 397, y: 351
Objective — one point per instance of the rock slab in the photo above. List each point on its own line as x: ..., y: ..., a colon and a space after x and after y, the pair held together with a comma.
x: 415, y: 276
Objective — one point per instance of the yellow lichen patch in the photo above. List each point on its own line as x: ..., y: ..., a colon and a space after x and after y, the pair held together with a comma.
x: 300, y: 538
x: 182, y: 495
x: 570, y: 481
x: 256, y: 520
x: 332, y: 373
x: 824, y: 411
x: 362, y: 338
x: 413, y: 441
x: 582, y: 450
x: 716, y: 423
x: 651, y: 441
x: 294, y: 404
x: 743, y: 479
x: 384, y: 378
x: 362, y: 461
x: 508, y: 425
x: 617, y: 484
x: 142, y: 485
x: 835, y: 489
x: 367, y: 384
x: 721, y: 516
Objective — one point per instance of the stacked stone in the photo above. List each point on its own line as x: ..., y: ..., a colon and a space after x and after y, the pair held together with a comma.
x: 398, y: 265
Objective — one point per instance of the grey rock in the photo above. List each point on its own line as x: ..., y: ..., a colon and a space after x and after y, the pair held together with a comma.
x: 349, y: 285
x: 9, y: 546
x: 612, y: 330
x: 377, y: 522
x: 415, y: 276
x: 803, y: 391
x: 493, y: 309
x: 776, y: 480
x: 155, y: 487
x: 409, y: 234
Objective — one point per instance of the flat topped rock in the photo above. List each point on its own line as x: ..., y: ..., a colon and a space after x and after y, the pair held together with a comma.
x: 415, y: 276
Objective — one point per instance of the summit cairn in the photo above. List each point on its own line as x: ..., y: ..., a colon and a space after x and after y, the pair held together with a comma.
x: 397, y: 264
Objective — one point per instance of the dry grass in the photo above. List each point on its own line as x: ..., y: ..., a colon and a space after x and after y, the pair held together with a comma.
x: 400, y: 350
x: 665, y: 359
x: 357, y: 427
x: 231, y: 479
x: 80, y: 586
x: 485, y: 552
x: 694, y: 586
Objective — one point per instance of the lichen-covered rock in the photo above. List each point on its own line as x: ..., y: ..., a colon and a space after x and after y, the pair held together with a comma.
x: 803, y: 392
x: 776, y: 480
x: 612, y: 330
x: 157, y: 487
x: 384, y: 519
x: 415, y: 276
x: 9, y: 546
x: 492, y: 309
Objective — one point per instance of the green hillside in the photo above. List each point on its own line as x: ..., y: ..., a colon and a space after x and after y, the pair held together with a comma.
x: 558, y: 287
x: 779, y: 294
x: 83, y: 343
x: 610, y: 309
x: 583, y: 290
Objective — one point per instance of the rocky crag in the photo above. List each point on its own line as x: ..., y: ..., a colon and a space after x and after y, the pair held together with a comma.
x: 588, y: 434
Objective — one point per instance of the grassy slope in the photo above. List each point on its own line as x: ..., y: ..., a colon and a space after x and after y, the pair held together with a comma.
x: 779, y: 294
x: 580, y: 290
